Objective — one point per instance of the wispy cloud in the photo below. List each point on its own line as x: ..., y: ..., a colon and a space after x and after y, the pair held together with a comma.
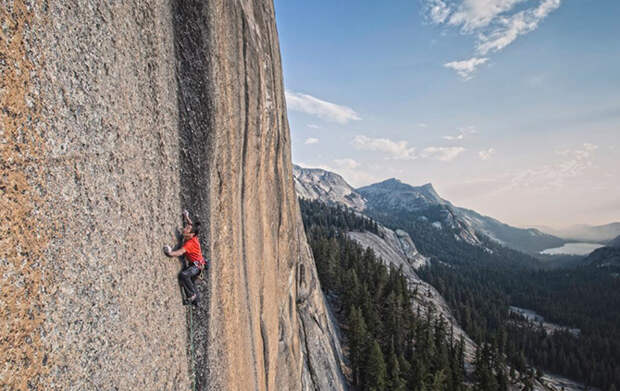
x: 457, y: 137
x: 575, y: 162
x: 496, y: 23
x: 346, y: 163
x: 445, y: 154
x: 311, y: 140
x: 466, y: 68
x: 325, y: 110
x: 401, y: 150
x: 555, y: 175
x: 584, y: 152
x: 313, y: 126
x: 437, y: 11
x: 475, y: 14
x: 486, y: 154
x: 509, y: 28
x: 396, y: 149
x: 422, y: 125
x: 462, y: 133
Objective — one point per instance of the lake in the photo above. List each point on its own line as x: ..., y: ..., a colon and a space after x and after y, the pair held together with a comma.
x: 528, y: 314
x: 573, y: 249
x: 532, y: 316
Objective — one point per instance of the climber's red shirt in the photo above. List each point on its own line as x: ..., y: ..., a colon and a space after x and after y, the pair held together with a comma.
x: 193, y: 252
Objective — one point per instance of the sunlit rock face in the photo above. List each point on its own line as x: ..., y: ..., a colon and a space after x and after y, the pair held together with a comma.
x: 116, y: 116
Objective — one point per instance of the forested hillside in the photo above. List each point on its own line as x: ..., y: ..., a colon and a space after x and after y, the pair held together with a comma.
x: 389, y: 346
x: 480, y: 283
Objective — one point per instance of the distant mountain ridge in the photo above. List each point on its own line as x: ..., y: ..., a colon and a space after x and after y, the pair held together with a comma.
x: 583, y: 232
x: 608, y: 256
x: 424, y: 201
x: 394, y: 194
x: 604, y: 257
x: 530, y: 240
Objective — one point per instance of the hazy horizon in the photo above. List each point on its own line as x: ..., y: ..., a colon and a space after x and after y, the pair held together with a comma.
x: 538, y: 226
x: 510, y: 108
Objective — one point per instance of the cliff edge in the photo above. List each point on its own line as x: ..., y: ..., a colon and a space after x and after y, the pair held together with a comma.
x: 114, y: 117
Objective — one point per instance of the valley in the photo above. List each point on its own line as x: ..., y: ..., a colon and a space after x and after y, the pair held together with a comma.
x: 478, y: 279
x: 575, y: 248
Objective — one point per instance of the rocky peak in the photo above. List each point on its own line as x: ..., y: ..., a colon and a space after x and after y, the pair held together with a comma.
x: 392, y: 184
x: 430, y: 190
x: 396, y: 194
x: 326, y: 186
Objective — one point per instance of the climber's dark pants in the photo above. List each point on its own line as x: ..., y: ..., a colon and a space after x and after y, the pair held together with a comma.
x: 186, y: 277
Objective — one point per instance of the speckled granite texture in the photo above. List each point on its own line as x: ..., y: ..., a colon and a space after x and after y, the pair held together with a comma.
x: 114, y: 116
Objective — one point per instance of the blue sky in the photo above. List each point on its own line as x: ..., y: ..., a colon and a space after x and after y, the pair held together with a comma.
x: 509, y: 107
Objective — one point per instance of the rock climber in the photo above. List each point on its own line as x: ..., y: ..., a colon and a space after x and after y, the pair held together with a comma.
x: 193, y: 255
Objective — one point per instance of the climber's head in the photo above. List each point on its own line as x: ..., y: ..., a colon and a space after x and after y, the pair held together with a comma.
x: 191, y: 230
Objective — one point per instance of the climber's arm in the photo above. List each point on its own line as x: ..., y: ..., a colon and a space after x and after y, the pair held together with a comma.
x: 186, y: 217
x: 174, y: 253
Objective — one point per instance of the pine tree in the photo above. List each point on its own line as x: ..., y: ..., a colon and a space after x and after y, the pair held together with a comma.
x: 502, y: 380
x: 351, y: 292
x: 458, y: 364
x: 439, y: 381
x: 357, y: 342
x: 483, y: 374
x: 375, y: 373
x: 395, y: 382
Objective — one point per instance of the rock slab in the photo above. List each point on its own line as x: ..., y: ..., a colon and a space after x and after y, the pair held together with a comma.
x: 114, y: 117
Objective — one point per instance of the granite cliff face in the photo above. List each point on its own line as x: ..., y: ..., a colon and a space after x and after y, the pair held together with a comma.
x: 114, y: 117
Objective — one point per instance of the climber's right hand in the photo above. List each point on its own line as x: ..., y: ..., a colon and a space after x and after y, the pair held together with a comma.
x: 167, y: 250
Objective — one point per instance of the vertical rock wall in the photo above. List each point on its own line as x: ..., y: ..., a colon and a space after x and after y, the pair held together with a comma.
x: 114, y: 116
x: 266, y: 319
x: 90, y: 191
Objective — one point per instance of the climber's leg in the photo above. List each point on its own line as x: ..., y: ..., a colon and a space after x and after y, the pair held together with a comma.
x: 186, y: 276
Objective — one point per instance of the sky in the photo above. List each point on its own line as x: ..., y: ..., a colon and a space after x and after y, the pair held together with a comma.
x: 508, y: 107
